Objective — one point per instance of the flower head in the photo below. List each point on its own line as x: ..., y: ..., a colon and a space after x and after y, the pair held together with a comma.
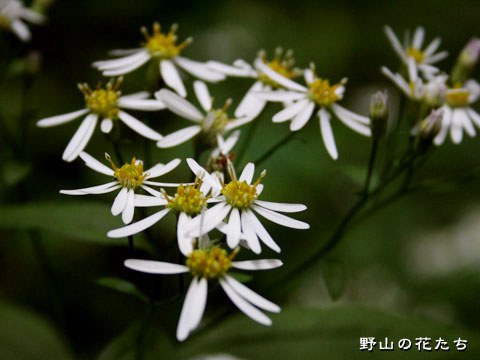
x: 12, y: 16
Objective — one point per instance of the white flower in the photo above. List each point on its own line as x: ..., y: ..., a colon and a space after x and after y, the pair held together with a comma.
x: 209, y: 123
x: 458, y: 115
x: 128, y: 177
x: 318, y: 94
x: 164, y: 49
x: 105, y: 104
x: 212, y: 263
x: 189, y: 200
x: 236, y: 200
x: 12, y: 16
x: 412, y: 49
x: 251, y: 105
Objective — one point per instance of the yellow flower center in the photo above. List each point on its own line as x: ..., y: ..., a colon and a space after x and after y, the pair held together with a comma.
x: 280, y: 64
x: 417, y: 55
x: 130, y: 175
x: 238, y: 193
x: 188, y: 199
x: 163, y: 46
x: 323, y: 93
x: 103, y: 102
x: 457, y: 96
x: 212, y: 263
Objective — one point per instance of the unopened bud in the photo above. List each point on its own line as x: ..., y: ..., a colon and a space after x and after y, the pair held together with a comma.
x: 436, y: 91
x: 466, y: 61
x: 427, y: 130
x: 379, y: 113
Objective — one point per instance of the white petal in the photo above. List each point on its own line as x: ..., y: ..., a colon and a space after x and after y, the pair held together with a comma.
x: 140, y: 104
x: 139, y: 127
x: 147, y: 201
x: 353, y: 124
x: 432, y: 47
x: 282, y: 80
x: 347, y: 113
x: 137, y: 95
x: 32, y: 16
x: 21, y: 30
x: 279, y: 95
x: 121, y: 62
x: 179, y: 137
x: 263, y: 264
x: 251, y: 296
x: 418, y: 37
x: 226, y: 145
x: 150, y: 190
x: 261, y: 231
x: 141, y: 225
x: 81, y: 137
x: 456, y: 131
x: 467, y: 123
x: 207, y: 220
x: 228, y: 69
x: 280, y: 219
x: 234, y: 229
x: 302, y: 117
x: 327, y: 134
x: 171, y: 77
x: 61, y: 119
x: 121, y: 52
x: 474, y: 116
x: 185, y: 243
x: 412, y: 69
x: 128, y: 211
x: 290, y: 111
x: 203, y: 95
x: 162, y: 169
x: 155, y: 267
x: 282, y: 207
x: 237, y: 123
x: 106, y: 125
x: 128, y: 68
x: 308, y: 76
x: 437, y: 57
x: 198, y: 69
x: 251, y: 105
x: 397, y: 46
x: 446, y: 122
x: 250, y: 234
x: 96, y: 165
x: 179, y: 105
x: 190, y: 308
x: 120, y: 202
x: 247, y: 173
x: 200, y: 171
x: 244, y: 306
x: 99, y: 189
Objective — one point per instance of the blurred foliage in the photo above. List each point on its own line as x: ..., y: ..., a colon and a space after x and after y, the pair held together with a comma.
x: 371, y: 273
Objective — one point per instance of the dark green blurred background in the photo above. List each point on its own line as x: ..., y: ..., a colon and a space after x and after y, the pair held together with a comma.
x: 410, y: 270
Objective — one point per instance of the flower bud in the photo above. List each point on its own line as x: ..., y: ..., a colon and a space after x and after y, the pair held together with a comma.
x: 435, y: 91
x: 466, y: 61
x: 379, y: 113
x: 427, y: 130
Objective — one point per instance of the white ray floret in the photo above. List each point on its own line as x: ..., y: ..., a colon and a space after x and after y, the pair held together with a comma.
x: 104, y: 105
x: 236, y: 200
x: 317, y: 97
x: 212, y: 263
x: 128, y: 178
x: 163, y: 49
x: 13, y: 15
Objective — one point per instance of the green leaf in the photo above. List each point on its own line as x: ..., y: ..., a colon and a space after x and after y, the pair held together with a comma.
x: 335, y: 277
x: 325, y: 333
x: 122, y: 286
x: 25, y: 335
x: 84, y: 221
x: 143, y: 340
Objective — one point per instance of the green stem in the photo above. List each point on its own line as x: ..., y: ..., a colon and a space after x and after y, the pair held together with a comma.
x: 246, y: 144
x: 274, y: 148
x: 371, y: 165
x: 118, y: 154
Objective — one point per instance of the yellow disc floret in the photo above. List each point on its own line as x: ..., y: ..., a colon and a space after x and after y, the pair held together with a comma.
x: 188, y: 199
x: 323, y: 93
x: 457, y: 96
x: 240, y: 194
x: 416, y: 54
x: 280, y: 64
x: 163, y: 46
x: 216, y: 120
x: 212, y: 263
x: 103, y: 102
x: 130, y: 175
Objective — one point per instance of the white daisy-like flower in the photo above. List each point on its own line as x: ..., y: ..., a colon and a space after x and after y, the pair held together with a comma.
x: 318, y: 94
x: 13, y: 15
x: 432, y: 91
x: 128, y: 178
x: 412, y: 49
x: 458, y: 115
x: 212, y: 264
x: 251, y: 105
x: 219, y: 157
x: 189, y: 200
x: 105, y: 104
x: 238, y: 200
x: 209, y: 123
x: 164, y: 49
